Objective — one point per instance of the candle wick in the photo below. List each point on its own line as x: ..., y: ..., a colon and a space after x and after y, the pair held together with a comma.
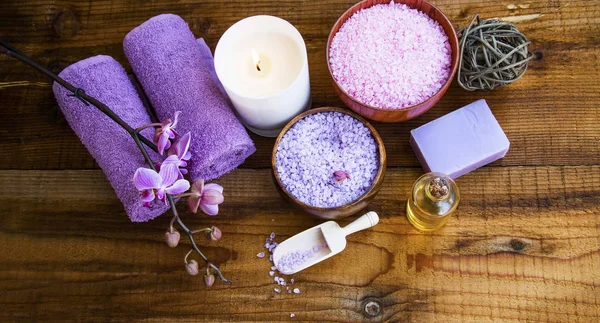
x: 258, y: 66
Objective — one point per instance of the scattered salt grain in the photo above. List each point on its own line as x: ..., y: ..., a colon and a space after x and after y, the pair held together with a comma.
x: 390, y: 56
x: 280, y: 281
x: 271, y: 258
x: 317, y: 146
x: 260, y: 255
x: 292, y: 315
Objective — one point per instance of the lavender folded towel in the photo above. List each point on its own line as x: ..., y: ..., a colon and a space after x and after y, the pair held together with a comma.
x: 168, y: 62
x: 115, y: 152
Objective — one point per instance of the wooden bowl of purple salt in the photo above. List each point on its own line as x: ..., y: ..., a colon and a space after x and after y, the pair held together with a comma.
x: 329, y: 162
x: 392, y: 61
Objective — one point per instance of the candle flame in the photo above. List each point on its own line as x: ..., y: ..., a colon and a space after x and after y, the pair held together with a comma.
x: 256, y: 59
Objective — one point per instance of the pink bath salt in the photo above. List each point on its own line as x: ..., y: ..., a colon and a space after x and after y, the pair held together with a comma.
x: 390, y: 56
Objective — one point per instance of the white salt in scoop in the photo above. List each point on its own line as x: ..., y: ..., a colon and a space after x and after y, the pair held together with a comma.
x: 317, y: 244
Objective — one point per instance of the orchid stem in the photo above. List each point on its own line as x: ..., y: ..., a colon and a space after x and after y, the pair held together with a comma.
x: 176, y: 214
x: 201, y: 230
x: 139, y: 129
x: 195, y: 247
x: 10, y: 51
x: 140, y: 141
x: 187, y: 255
x: 172, y: 222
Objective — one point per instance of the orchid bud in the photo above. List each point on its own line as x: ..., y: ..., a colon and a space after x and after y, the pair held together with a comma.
x: 192, y: 267
x: 209, y: 280
x: 340, y: 176
x: 214, y: 234
x: 172, y: 237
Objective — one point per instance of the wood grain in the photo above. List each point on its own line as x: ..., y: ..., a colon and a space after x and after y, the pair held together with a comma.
x: 559, y: 86
x: 524, y: 245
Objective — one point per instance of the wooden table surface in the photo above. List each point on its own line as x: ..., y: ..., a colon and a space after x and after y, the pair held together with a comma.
x: 524, y: 245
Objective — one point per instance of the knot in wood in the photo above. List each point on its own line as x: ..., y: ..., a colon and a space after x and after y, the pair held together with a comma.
x: 517, y: 245
x: 372, y: 308
x: 66, y: 25
x: 201, y: 24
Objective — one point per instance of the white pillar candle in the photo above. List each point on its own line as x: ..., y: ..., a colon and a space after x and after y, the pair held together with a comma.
x: 263, y: 66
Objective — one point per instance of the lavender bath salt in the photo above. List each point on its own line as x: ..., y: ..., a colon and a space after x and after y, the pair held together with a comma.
x: 327, y: 159
x: 292, y: 260
x: 270, y: 245
x: 390, y: 56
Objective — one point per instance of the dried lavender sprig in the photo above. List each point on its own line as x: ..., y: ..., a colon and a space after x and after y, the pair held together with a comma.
x: 80, y: 94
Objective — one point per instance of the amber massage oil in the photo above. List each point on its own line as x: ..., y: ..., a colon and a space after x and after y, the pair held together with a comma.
x: 433, y: 199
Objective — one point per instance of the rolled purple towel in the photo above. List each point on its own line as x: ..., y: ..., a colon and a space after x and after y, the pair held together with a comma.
x: 168, y: 62
x: 111, y: 146
x: 209, y: 63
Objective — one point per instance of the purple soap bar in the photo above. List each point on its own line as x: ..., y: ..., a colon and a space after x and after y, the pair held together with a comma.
x: 460, y: 141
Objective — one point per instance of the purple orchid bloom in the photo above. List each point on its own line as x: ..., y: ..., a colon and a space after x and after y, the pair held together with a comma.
x: 165, y: 133
x: 180, y: 149
x: 157, y: 185
x: 206, y: 197
x: 179, y: 154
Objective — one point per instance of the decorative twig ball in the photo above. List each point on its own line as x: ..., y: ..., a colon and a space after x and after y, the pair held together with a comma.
x: 493, y: 53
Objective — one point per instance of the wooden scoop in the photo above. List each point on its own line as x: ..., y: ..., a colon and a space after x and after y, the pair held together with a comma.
x: 317, y: 244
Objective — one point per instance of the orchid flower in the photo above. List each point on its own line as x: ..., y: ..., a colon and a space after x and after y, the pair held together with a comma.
x: 340, y: 176
x: 179, y: 154
x: 157, y: 185
x: 165, y: 132
x: 206, y: 197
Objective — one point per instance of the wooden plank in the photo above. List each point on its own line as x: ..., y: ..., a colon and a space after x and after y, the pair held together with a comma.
x: 550, y: 116
x: 524, y: 246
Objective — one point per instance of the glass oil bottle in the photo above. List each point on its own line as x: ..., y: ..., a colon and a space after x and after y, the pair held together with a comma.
x: 433, y: 200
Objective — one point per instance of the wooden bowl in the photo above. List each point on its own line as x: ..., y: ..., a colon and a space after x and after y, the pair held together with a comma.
x: 403, y: 114
x: 346, y: 209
